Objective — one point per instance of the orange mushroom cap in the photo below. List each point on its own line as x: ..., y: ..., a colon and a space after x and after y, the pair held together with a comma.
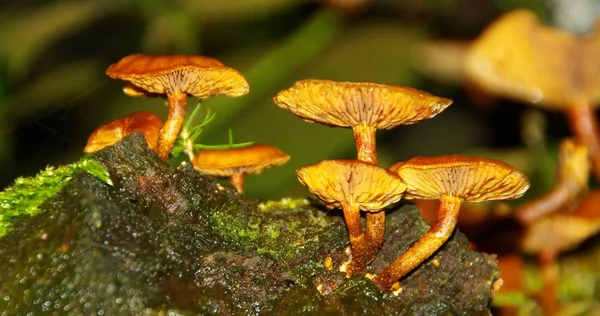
x: 336, y: 182
x: 470, y: 178
x: 109, y: 134
x: 348, y: 104
x: 252, y: 159
x: 520, y: 58
x: 198, y: 76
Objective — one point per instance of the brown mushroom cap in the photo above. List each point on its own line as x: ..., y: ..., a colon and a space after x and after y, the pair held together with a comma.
x: 348, y: 104
x: 109, y: 134
x: 351, y: 181
x: 520, y: 58
x: 251, y: 159
x: 198, y: 76
x: 470, y: 178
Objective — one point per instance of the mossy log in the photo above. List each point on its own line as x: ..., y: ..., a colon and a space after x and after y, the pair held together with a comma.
x: 162, y: 240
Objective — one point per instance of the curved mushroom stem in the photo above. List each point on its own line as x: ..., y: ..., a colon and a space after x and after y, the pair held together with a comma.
x: 358, y: 242
x: 237, y: 180
x: 562, y: 193
x: 364, y: 136
x: 429, y: 243
x: 173, y: 124
x: 583, y: 123
x: 375, y: 233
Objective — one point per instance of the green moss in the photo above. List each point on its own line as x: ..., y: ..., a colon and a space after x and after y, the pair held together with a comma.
x: 285, y: 203
x: 282, y: 229
x: 26, y: 195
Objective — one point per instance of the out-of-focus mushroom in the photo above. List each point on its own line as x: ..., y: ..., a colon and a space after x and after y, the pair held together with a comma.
x: 364, y: 107
x: 177, y: 76
x: 564, y: 230
x: 520, y: 58
x: 235, y: 163
x: 554, y: 233
x: 109, y: 134
x: 571, y: 184
x: 451, y: 179
x: 353, y: 185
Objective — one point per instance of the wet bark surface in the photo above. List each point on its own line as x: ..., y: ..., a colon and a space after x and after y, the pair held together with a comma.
x: 167, y: 239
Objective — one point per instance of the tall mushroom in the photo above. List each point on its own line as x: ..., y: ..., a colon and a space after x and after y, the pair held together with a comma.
x: 353, y: 185
x: 109, y: 134
x: 177, y: 76
x: 364, y: 107
x: 451, y: 179
x: 520, y: 58
x: 235, y: 163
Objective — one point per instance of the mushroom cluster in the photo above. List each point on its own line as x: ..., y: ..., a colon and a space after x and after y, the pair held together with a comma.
x: 175, y: 77
x: 363, y: 185
x: 352, y: 185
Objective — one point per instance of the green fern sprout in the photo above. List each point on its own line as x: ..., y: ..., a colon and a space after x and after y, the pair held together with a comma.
x: 186, y: 143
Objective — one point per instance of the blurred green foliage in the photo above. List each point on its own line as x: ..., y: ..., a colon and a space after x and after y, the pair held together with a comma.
x: 53, y: 91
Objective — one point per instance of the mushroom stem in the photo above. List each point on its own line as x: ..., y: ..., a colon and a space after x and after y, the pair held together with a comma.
x: 375, y: 232
x: 562, y: 193
x: 237, y: 180
x: 173, y: 124
x: 424, y: 247
x: 583, y: 123
x: 364, y: 136
x: 358, y: 241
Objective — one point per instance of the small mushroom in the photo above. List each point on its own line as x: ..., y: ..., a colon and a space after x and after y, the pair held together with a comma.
x: 109, y: 134
x: 176, y: 76
x: 353, y: 185
x: 364, y: 107
x: 520, y: 58
x: 572, y: 183
x: 451, y: 179
x: 235, y: 163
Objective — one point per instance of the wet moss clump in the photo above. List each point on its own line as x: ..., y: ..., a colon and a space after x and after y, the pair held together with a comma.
x: 161, y: 240
x: 26, y: 195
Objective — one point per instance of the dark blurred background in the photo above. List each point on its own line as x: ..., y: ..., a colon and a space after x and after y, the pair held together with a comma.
x: 53, y: 91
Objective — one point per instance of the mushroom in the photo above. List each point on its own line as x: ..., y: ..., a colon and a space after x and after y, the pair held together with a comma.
x: 520, y: 58
x: 572, y: 183
x: 565, y: 230
x: 451, y: 179
x: 353, y: 185
x: 559, y: 232
x: 364, y: 107
x: 109, y: 134
x: 176, y: 76
x: 235, y: 163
